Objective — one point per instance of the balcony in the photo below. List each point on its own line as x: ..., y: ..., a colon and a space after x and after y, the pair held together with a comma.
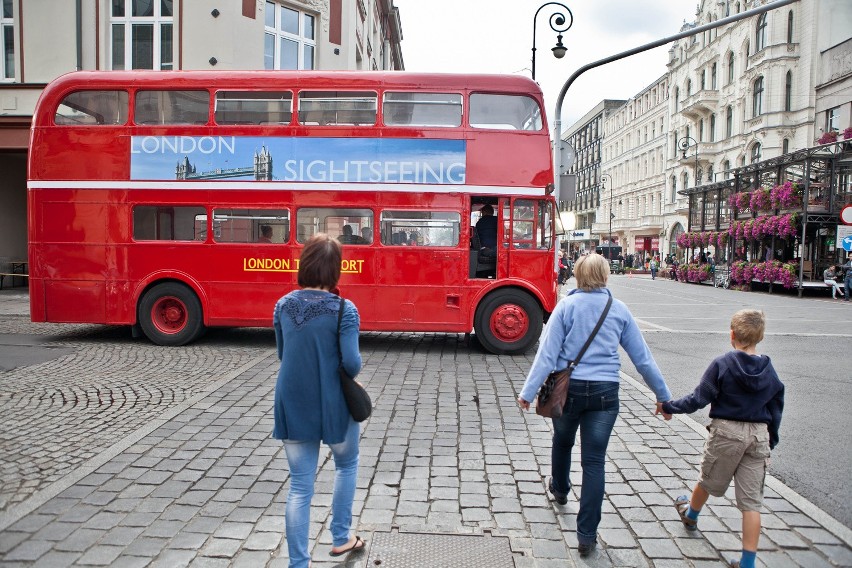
x: 701, y: 103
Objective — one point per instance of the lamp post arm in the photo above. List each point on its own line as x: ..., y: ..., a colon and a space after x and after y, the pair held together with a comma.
x: 551, y: 26
x: 557, y: 123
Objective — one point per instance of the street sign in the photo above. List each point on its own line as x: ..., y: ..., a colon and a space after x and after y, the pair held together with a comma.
x: 844, y: 237
x: 847, y: 244
x: 846, y: 215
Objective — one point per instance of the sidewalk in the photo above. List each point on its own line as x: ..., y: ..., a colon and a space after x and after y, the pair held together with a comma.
x: 446, y: 452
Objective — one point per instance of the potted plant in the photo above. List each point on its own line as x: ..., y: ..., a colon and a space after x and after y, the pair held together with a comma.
x: 828, y: 137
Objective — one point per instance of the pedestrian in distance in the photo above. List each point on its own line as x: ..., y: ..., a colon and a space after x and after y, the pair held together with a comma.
x: 592, y: 402
x: 746, y: 400
x: 847, y: 281
x: 309, y: 407
x: 829, y: 276
x: 653, y: 266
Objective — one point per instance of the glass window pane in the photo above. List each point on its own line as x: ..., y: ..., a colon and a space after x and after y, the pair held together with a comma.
x: 117, y: 8
x: 347, y: 225
x: 171, y: 107
x: 118, y: 47
x: 289, y: 21
x: 505, y: 112
x: 269, y: 15
x: 422, y: 109
x: 420, y: 228
x: 269, y: 51
x: 9, y: 52
x: 289, y: 56
x: 7, y: 8
x: 337, y: 107
x: 164, y: 223
x: 309, y: 57
x: 93, y: 107
x: 309, y: 27
x: 166, y: 8
x: 143, y: 46
x: 166, y: 46
x: 142, y: 8
x: 261, y: 226
x: 249, y: 107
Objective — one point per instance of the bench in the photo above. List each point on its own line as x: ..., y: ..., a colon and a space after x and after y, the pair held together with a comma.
x: 12, y: 275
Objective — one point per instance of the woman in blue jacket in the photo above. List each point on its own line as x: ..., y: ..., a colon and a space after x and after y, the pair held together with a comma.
x: 592, y: 402
x: 309, y: 404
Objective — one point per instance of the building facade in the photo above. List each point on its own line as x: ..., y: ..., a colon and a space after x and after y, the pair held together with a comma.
x: 165, y: 35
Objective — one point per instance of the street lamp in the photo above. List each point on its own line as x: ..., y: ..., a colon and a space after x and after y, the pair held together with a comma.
x: 604, y: 179
x: 684, y: 145
x: 557, y: 23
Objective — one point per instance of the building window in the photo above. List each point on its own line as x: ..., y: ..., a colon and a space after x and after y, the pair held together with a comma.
x: 757, y: 97
x: 703, y: 79
x: 785, y: 146
x: 727, y: 166
x: 289, y: 38
x: 676, y: 97
x: 713, y: 76
x: 755, y: 153
x: 832, y: 119
x: 142, y: 34
x: 788, y: 92
x: 688, y: 87
x: 701, y: 130
x: 674, y: 189
x: 7, y: 23
x: 712, y: 128
x: 729, y: 122
x: 730, y: 67
x: 760, y: 34
x: 790, y: 26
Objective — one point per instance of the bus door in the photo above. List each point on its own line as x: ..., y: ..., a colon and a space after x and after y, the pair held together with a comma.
x: 528, y: 230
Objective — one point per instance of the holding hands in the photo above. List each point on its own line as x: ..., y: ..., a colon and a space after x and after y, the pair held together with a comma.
x: 659, y: 410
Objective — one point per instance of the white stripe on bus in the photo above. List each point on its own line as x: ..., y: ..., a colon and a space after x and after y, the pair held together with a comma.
x: 285, y: 186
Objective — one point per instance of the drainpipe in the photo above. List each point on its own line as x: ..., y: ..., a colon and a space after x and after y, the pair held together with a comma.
x: 79, y: 9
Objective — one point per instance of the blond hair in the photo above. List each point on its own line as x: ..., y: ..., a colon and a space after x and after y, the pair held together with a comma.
x: 591, y: 271
x: 748, y: 327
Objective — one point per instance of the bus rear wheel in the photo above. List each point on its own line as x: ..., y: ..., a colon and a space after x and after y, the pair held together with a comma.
x: 508, y: 322
x: 170, y: 314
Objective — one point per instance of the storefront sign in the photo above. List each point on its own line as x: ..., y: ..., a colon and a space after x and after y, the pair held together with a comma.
x: 579, y: 235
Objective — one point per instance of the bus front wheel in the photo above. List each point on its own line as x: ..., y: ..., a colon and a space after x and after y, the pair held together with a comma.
x: 508, y: 322
x: 170, y: 314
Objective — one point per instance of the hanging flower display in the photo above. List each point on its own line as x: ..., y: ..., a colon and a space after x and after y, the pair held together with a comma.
x: 760, y: 200
x: 786, y: 196
x: 739, y: 201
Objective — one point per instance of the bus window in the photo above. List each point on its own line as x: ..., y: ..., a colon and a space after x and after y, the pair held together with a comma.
x: 252, y: 107
x: 337, y: 107
x: 420, y: 228
x: 171, y: 107
x: 523, y: 223
x: 346, y: 225
x: 93, y: 107
x: 262, y: 226
x: 545, y: 219
x: 422, y: 109
x: 165, y: 223
x: 504, y: 112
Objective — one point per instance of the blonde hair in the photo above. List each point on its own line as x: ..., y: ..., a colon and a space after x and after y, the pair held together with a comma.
x: 748, y: 326
x: 591, y: 271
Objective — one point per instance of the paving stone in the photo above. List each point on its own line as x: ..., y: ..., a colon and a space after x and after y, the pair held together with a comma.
x: 659, y: 548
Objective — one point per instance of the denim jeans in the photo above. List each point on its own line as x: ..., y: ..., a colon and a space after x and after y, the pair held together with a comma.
x: 592, y: 406
x: 302, y: 458
x: 847, y: 283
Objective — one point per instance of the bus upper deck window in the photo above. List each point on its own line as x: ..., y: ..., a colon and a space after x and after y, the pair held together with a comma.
x: 253, y: 107
x: 93, y: 107
x: 171, y: 107
x: 337, y: 107
x: 504, y: 112
x: 422, y: 109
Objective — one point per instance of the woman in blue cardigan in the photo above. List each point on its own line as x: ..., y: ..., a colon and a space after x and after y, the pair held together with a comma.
x: 309, y: 404
x: 592, y: 403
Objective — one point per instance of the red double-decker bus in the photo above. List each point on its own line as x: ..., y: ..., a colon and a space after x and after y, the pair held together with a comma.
x: 175, y: 201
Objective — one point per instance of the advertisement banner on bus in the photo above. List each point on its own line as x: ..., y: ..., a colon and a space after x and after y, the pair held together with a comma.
x: 331, y: 160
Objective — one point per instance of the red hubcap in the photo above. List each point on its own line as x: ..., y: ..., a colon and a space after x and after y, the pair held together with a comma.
x: 169, y: 315
x: 509, y: 323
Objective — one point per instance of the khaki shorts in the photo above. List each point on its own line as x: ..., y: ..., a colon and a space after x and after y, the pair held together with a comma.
x: 739, y: 451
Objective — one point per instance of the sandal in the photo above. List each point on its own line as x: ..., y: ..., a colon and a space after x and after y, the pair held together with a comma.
x: 682, y: 506
x: 357, y: 545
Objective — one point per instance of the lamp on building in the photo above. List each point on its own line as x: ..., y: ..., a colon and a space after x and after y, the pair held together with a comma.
x: 557, y: 23
x: 604, y: 179
x: 684, y: 144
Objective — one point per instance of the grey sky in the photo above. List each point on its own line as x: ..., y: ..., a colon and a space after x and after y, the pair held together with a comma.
x: 489, y: 36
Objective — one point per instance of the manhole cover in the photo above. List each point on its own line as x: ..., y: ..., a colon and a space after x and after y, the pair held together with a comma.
x: 424, y: 550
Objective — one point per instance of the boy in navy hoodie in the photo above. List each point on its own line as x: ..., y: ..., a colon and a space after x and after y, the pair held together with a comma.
x: 746, y: 399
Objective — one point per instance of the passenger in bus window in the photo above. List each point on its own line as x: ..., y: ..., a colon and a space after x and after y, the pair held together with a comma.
x: 309, y: 407
x: 367, y: 234
x: 265, y: 234
x: 486, y: 228
x: 348, y: 237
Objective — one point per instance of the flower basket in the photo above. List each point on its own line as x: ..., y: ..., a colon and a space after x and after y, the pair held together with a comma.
x: 847, y: 133
x: 828, y: 137
x: 786, y: 196
x: 760, y: 200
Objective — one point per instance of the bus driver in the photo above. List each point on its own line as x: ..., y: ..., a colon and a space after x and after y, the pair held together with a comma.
x: 486, y: 228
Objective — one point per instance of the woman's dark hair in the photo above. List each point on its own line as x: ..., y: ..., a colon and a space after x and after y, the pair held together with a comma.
x: 319, y: 265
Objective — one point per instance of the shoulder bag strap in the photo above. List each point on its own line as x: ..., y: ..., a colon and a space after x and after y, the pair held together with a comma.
x: 573, y: 364
x: 339, y: 319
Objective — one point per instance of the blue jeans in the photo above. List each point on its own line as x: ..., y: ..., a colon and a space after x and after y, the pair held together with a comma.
x: 848, y: 284
x: 302, y: 458
x: 592, y: 406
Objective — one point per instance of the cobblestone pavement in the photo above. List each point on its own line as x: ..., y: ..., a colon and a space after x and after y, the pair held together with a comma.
x: 185, y: 474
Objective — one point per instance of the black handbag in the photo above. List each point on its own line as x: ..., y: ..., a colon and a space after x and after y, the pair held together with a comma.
x: 554, y: 392
x: 357, y: 398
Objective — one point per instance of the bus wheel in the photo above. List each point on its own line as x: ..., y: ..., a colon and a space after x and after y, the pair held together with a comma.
x: 170, y: 314
x: 508, y: 322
